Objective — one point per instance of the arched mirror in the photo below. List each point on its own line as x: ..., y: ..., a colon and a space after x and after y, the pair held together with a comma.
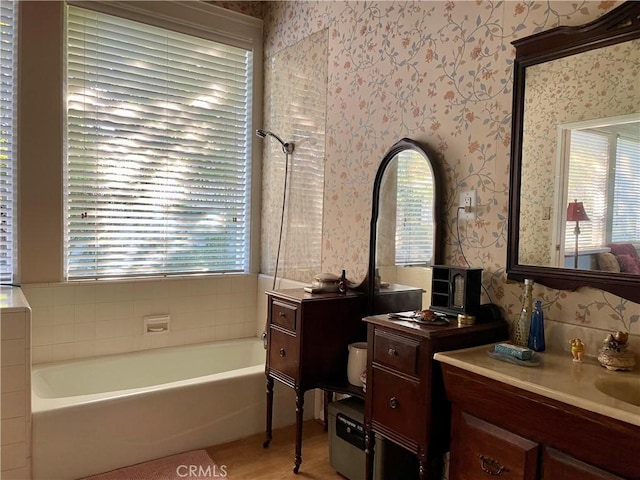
x: 574, y: 214
x: 405, y: 238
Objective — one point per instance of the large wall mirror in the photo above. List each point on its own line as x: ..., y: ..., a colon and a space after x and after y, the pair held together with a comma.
x: 405, y: 238
x: 575, y: 156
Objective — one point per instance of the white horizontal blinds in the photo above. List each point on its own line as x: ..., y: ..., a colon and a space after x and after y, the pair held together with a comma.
x: 626, y: 206
x: 415, y: 216
x: 588, y: 173
x: 8, y: 85
x: 158, y: 150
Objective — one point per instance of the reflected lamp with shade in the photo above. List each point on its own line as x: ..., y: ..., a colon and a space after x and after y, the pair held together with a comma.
x: 576, y: 213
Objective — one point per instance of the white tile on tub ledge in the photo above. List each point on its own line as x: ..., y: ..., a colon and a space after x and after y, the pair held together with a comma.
x: 208, y: 334
x: 223, y: 332
x: 63, y: 333
x: 13, y: 430
x: 238, y: 284
x: 14, y: 456
x: 12, y: 352
x: 63, y: 314
x: 17, y: 474
x: 61, y: 351
x: 14, y: 378
x: 85, y: 313
x: 85, y: 294
x: 42, y: 354
x: 41, y: 336
x: 13, y: 326
x: 124, y: 344
x: 222, y: 317
x: 105, y: 346
x: 83, y: 332
x: 40, y: 296
x: 104, y: 329
x: 13, y: 404
x: 160, y: 341
x: 42, y: 316
x: 64, y: 295
x: 84, y: 349
x: 125, y: 327
x: 224, y: 285
x: 143, y: 290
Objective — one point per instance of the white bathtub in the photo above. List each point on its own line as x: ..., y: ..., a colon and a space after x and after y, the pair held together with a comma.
x: 98, y: 414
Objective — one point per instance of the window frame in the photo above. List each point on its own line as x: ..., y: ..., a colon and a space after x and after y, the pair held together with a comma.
x: 10, y: 261
x: 562, y: 240
x: 211, y: 23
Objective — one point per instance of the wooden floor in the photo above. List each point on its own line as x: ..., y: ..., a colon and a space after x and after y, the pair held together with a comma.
x: 247, y: 459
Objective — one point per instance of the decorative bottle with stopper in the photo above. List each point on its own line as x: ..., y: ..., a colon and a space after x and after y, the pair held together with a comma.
x: 521, y: 328
x: 536, y: 331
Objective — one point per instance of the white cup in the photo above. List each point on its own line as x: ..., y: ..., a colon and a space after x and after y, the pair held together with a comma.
x: 357, y: 363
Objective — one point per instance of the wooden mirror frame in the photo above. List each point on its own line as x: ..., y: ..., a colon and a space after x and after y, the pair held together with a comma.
x: 400, y: 146
x: 619, y: 25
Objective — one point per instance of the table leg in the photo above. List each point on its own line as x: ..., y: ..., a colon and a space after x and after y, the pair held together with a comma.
x: 369, y: 438
x: 422, y: 471
x: 299, y: 420
x: 328, y: 398
x: 269, y: 411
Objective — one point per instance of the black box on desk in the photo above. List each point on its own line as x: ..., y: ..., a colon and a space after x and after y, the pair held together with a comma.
x: 346, y: 446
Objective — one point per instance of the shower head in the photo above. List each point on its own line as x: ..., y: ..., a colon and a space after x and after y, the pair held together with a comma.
x: 287, y: 147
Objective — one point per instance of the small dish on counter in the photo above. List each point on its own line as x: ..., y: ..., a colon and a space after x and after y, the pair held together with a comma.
x: 422, y: 317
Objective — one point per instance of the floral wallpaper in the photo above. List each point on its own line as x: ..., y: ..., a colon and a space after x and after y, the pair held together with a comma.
x: 440, y: 73
x: 594, y: 85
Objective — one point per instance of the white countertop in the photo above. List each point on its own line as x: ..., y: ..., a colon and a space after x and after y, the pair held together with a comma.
x: 558, y: 377
x: 12, y: 299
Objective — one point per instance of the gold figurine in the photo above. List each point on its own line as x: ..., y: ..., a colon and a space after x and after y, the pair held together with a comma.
x: 577, y: 349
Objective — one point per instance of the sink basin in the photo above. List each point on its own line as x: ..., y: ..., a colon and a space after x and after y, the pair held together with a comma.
x: 623, y: 389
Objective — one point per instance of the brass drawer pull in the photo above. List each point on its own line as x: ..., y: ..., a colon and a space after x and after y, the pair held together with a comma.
x: 282, y: 352
x: 393, y: 402
x: 393, y: 352
x: 282, y: 314
x: 490, y: 466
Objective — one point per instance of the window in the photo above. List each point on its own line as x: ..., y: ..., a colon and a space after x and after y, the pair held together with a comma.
x: 158, y: 161
x: 8, y: 88
x: 603, y: 172
x: 415, y: 215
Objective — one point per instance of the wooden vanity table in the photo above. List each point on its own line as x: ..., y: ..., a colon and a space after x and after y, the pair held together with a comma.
x: 543, y: 422
x: 308, y: 337
x: 405, y: 399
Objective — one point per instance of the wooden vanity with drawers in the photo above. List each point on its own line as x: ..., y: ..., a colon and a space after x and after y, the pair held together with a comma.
x: 405, y: 396
x: 547, y: 422
x: 308, y: 337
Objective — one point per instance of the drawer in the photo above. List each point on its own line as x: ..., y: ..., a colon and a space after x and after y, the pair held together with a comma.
x: 284, y: 353
x: 284, y: 314
x: 481, y: 449
x: 395, y: 404
x: 396, y: 352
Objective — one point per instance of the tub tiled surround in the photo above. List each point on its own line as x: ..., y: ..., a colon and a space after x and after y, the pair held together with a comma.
x: 15, y: 406
x: 75, y: 320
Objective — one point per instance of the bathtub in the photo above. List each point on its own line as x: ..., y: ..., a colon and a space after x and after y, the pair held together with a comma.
x: 103, y: 413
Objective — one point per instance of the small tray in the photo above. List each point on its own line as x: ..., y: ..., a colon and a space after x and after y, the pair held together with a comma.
x: 535, y: 360
x: 415, y: 318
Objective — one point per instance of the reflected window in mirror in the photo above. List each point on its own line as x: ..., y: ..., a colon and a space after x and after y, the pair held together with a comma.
x: 406, y: 214
x: 603, y: 165
x: 404, y: 230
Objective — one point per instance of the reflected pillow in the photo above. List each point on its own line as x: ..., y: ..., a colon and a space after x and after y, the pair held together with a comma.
x: 628, y: 264
x: 607, y: 262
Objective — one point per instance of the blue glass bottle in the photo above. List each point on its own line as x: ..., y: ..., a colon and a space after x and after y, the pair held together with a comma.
x: 536, y: 331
